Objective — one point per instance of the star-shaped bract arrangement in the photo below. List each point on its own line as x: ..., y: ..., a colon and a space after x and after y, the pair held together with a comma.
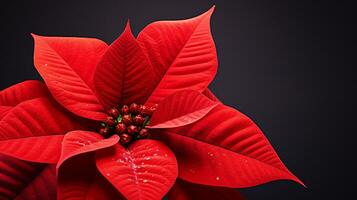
x: 133, y: 120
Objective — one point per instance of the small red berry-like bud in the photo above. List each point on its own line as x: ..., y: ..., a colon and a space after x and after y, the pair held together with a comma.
x: 139, y: 120
x: 124, y: 110
x: 110, y: 121
x: 120, y: 128
x: 132, y: 130
x: 114, y: 112
x: 147, y: 111
x: 104, y: 132
x: 134, y: 108
x: 143, y: 133
x: 141, y: 108
x: 125, y: 139
x: 126, y: 119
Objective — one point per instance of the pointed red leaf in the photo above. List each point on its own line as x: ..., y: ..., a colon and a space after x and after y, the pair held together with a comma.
x: 181, y: 108
x: 25, y: 180
x: 79, y: 179
x: 183, y: 190
x: 145, y: 170
x: 80, y: 142
x: 182, y: 53
x: 20, y: 92
x: 67, y: 64
x: 225, y: 148
x: 25, y: 131
x: 124, y: 75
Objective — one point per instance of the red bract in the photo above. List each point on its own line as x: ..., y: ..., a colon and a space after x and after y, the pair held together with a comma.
x: 162, y: 131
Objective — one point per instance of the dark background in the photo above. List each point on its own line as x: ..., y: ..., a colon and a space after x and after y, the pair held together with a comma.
x: 282, y: 63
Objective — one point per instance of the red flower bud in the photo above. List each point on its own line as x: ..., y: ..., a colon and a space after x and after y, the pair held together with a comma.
x: 139, y: 120
x: 110, y: 121
x: 114, y: 112
x: 120, y: 128
x: 126, y: 119
x: 143, y: 133
x: 134, y: 108
x: 104, y: 132
x: 132, y: 130
x: 124, y: 110
x: 125, y: 139
x: 147, y: 111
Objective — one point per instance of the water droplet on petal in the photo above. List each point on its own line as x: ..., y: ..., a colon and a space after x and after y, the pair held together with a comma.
x: 46, y: 65
x: 218, y: 178
x: 145, y: 181
x: 108, y: 174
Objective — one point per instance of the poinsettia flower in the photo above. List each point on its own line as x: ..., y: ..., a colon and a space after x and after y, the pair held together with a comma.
x: 135, y: 120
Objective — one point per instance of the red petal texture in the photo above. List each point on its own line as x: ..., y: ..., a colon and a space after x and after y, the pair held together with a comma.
x: 27, y: 124
x: 41, y: 187
x: 181, y: 108
x: 4, y: 110
x: 23, y: 91
x: 24, y: 180
x: 124, y: 75
x: 80, y: 142
x: 147, y: 169
x: 20, y: 92
x: 45, y: 149
x: 79, y: 179
x: 182, y: 53
x: 236, y: 150
x: 67, y: 65
x: 208, y: 93
x: 183, y: 190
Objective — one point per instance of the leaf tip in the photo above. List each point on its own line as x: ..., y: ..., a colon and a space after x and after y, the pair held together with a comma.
x: 210, y: 11
x: 128, y: 27
x: 34, y: 35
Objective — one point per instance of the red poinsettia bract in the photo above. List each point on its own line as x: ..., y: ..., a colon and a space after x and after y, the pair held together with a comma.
x: 133, y: 120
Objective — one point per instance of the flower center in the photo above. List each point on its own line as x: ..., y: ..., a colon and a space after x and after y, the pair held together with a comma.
x: 128, y: 122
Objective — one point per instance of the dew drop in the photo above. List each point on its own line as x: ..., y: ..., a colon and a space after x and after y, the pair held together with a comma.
x: 145, y: 181
x: 218, y: 178
x: 210, y: 154
x: 46, y: 65
x: 108, y: 174
x: 155, y: 154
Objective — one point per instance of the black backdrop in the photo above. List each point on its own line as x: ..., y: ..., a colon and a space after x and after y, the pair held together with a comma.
x: 281, y: 63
